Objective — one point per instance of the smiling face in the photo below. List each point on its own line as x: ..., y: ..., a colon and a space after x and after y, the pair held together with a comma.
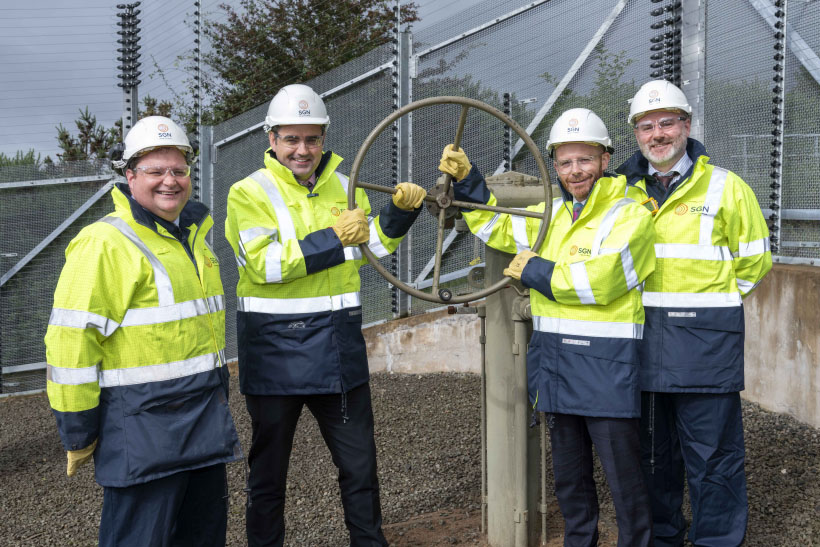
x: 296, y: 148
x: 663, y: 147
x: 164, y: 195
x: 579, y: 165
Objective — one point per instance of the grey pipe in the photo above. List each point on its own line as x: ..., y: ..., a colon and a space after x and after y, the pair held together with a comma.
x: 520, y: 339
x: 482, y: 314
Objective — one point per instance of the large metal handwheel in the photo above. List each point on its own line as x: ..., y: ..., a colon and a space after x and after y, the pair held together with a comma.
x: 445, y: 205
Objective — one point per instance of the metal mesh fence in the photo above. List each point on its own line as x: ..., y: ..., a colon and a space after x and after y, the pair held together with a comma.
x: 548, y: 56
x: 29, y: 217
x: 739, y: 112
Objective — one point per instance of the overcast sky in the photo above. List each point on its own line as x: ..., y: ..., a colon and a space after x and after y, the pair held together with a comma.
x: 57, y: 57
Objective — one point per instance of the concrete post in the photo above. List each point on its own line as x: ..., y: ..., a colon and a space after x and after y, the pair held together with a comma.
x: 513, y: 450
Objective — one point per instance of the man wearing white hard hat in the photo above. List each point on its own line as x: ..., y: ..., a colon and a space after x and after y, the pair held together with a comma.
x: 582, y: 361
x: 299, y: 313
x: 712, y: 251
x: 135, y: 350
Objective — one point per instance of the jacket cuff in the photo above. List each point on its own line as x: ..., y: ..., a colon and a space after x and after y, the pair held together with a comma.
x: 78, y: 429
x: 322, y: 250
x: 395, y: 222
x: 537, y: 274
x: 472, y: 188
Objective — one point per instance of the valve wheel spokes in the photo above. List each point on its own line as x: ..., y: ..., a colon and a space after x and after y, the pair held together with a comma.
x: 444, y: 201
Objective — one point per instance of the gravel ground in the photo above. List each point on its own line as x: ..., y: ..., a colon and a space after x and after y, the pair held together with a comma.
x: 429, y: 465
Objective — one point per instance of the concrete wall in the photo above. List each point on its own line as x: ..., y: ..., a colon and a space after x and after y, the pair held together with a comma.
x: 782, y: 343
x: 432, y: 342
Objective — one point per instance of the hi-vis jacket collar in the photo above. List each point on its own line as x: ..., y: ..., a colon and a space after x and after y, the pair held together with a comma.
x: 637, y: 166
x: 194, y: 212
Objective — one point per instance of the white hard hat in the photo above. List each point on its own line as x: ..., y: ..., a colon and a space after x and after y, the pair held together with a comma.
x: 296, y: 104
x: 579, y: 125
x: 148, y: 134
x: 657, y: 95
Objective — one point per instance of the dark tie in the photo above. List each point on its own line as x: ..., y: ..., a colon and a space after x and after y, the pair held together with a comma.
x: 665, y: 179
x: 576, y: 211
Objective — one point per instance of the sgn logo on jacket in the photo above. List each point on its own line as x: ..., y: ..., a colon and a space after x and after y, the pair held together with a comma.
x: 695, y: 209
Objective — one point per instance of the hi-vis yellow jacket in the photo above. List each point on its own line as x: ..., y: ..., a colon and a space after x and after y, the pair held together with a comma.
x: 586, y: 301
x: 135, y: 347
x: 712, y: 251
x: 299, y: 311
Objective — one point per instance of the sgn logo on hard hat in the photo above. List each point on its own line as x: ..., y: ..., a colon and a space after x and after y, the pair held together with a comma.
x: 572, y: 126
x: 653, y: 96
x: 304, y: 108
x: 163, y: 132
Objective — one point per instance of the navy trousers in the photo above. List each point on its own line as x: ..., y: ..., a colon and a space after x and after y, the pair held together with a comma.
x: 186, y: 509
x: 701, y: 433
x: 618, y: 447
x: 352, y: 448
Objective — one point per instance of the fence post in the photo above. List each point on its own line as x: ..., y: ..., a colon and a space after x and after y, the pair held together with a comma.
x: 693, y: 61
x: 779, y: 124
x: 130, y: 59
x: 404, y: 150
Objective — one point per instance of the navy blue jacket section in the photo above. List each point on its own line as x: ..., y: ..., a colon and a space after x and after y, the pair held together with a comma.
x: 701, y: 348
x: 77, y: 429
x: 587, y: 376
x: 472, y: 188
x: 537, y: 274
x: 395, y: 222
x: 301, y: 354
x: 322, y: 250
x: 161, y: 428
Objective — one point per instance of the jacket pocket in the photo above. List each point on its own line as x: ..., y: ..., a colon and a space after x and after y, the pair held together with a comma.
x: 703, y: 348
x: 597, y: 376
x: 287, y: 355
x: 168, y: 434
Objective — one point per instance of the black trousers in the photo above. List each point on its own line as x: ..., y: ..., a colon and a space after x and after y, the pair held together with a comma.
x: 703, y: 434
x: 186, y: 509
x: 352, y: 448
x: 618, y: 446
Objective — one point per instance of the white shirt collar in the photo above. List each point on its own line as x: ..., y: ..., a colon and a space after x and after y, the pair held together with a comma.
x: 682, y: 166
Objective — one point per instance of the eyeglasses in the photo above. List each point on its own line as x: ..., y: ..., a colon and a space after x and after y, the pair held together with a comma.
x: 584, y: 162
x: 160, y: 172
x: 664, y: 124
x: 292, y: 141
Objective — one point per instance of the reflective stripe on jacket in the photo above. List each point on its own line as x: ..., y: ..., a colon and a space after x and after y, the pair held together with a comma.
x: 712, y: 251
x: 299, y: 311
x: 586, y: 302
x: 135, y: 347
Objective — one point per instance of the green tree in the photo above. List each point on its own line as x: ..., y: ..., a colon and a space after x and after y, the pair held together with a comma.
x: 21, y: 166
x: 20, y: 158
x: 92, y: 141
x: 609, y: 98
x: 266, y: 44
x: 154, y: 107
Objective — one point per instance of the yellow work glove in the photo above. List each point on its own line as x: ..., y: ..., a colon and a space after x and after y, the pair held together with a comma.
x: 352, y: 227
x: 518, y: 263
x: 408, y: 196
x: 77, y: 458
x: 454, y: 163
